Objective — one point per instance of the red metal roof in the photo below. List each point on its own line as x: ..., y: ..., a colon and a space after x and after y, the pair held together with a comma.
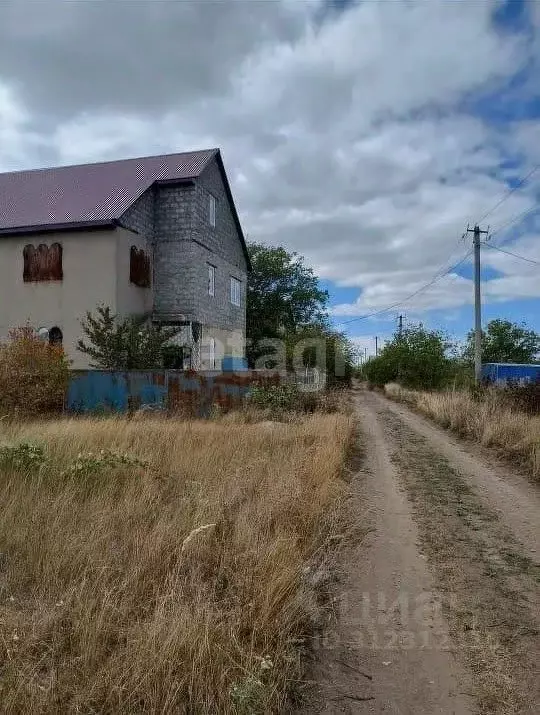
x: 88, y: 193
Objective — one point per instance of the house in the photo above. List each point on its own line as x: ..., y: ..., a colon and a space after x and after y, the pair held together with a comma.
x: 158, y: 236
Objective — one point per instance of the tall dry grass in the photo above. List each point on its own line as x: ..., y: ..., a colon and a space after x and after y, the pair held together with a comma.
x: 105, y: 607
x: 489, y: 420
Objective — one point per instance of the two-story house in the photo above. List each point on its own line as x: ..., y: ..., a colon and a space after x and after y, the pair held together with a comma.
x: 158, y: 236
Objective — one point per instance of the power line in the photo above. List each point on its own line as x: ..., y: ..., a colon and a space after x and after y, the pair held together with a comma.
x: 435, y: 278
x: 510, y: 192
x: 511, y: 253
x: 515, y: 219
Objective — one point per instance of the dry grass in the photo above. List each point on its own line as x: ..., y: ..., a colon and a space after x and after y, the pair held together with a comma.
x: 489, y: 420
x: 102, y: 610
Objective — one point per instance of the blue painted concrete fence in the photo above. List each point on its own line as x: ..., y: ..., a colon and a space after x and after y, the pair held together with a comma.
x: 500, y: 372
x: 194, y: 392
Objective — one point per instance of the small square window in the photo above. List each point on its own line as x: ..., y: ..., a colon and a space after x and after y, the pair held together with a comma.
x: 212, y: 210
x: 211, y: 279
x: 236, y: 291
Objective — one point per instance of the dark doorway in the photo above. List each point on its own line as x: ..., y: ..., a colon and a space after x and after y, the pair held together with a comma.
x: 55, y: 336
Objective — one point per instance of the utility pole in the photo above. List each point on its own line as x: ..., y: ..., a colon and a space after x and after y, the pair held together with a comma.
x: 477, y: 233
x: 376, y: 346
x: 365, y: 354
x: 400, y: 325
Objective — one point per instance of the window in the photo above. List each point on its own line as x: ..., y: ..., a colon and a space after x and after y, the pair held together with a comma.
x: 236, y: 291
x: 139, y: 267
x: 212, y: 210
x: 211, y: 279
x: 212, y: 353
x: 42, y: 263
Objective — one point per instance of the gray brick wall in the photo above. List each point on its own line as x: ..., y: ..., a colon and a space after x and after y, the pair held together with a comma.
x: 223, y: 239
x: 173, y: 260
x: 175, y: 220
x: 140, y: 216
x: 220, y: 246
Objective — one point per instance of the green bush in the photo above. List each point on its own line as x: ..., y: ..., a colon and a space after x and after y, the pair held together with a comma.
x: 33, y: 374
x: 287, y: 397
x: 23, y: 456
x: 92, y: 463
x: 276, y: 398
x: 417, y: 359
x: 27, y: 456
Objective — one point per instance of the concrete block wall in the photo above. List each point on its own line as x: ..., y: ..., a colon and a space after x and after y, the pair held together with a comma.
x: 223, y: 239
x: 220, y: 246
x: 140, y: 216
x: 175, y: 220
x: 173, y: 260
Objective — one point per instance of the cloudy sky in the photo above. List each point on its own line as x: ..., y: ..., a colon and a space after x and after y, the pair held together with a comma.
x: 364, y: 135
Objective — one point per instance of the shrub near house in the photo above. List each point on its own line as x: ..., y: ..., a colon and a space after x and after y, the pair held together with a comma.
x: 34, y: 375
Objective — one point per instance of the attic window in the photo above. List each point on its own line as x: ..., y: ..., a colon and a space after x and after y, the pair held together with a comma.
x: 212, y: 210
x: 139, y: 267
x: 42, y: 263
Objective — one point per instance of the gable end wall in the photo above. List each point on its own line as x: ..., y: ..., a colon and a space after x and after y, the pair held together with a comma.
x: 221, y: 246
x: 175, y: 219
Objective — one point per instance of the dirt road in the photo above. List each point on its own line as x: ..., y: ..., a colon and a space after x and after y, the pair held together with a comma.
x: 438, y: 607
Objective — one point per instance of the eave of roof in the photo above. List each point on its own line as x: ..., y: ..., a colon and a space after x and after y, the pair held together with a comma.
x: 52, y: 227
x: 228, y: 191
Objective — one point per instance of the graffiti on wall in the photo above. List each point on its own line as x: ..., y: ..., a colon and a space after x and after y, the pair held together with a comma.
x: 42, y: 263
x: 139, y: 267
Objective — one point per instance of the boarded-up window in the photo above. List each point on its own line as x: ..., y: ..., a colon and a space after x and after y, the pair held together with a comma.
x: 43, y: 263
x: 139, y: 267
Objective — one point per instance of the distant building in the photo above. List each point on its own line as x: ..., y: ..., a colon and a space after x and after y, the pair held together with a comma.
x: 157, y: 235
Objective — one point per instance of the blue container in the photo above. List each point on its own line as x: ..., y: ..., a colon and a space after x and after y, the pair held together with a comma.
x: 503, y: 372
x: 233, y: 364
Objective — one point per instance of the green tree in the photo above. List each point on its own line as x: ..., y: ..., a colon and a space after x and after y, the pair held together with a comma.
x: 319, y: 346
x: 504, y: 341
x: 283, y: 297
x: 417, y: 358
x: 130, y: 343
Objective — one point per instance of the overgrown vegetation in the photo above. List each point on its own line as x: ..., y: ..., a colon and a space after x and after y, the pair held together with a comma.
x: 160, y: 565
x: 524, y: 396
x: 288, y: 326
x: 488, y: 416
x: 283, y: 296
x: 415, y: 358
x: 33, y: 375
x: 504, y: 341
x: 285, y: 401
x: 424, y: 359
x: 131, y: 343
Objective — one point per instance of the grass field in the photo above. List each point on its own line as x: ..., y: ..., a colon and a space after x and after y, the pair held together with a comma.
x: 163, y: 566
x: 490, y: 420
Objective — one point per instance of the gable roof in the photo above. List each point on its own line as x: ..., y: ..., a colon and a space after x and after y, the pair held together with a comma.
x: 94, y: 195
x: 87, y: 194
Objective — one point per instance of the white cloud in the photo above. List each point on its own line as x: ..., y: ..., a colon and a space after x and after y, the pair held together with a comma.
x: 347, y: 140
